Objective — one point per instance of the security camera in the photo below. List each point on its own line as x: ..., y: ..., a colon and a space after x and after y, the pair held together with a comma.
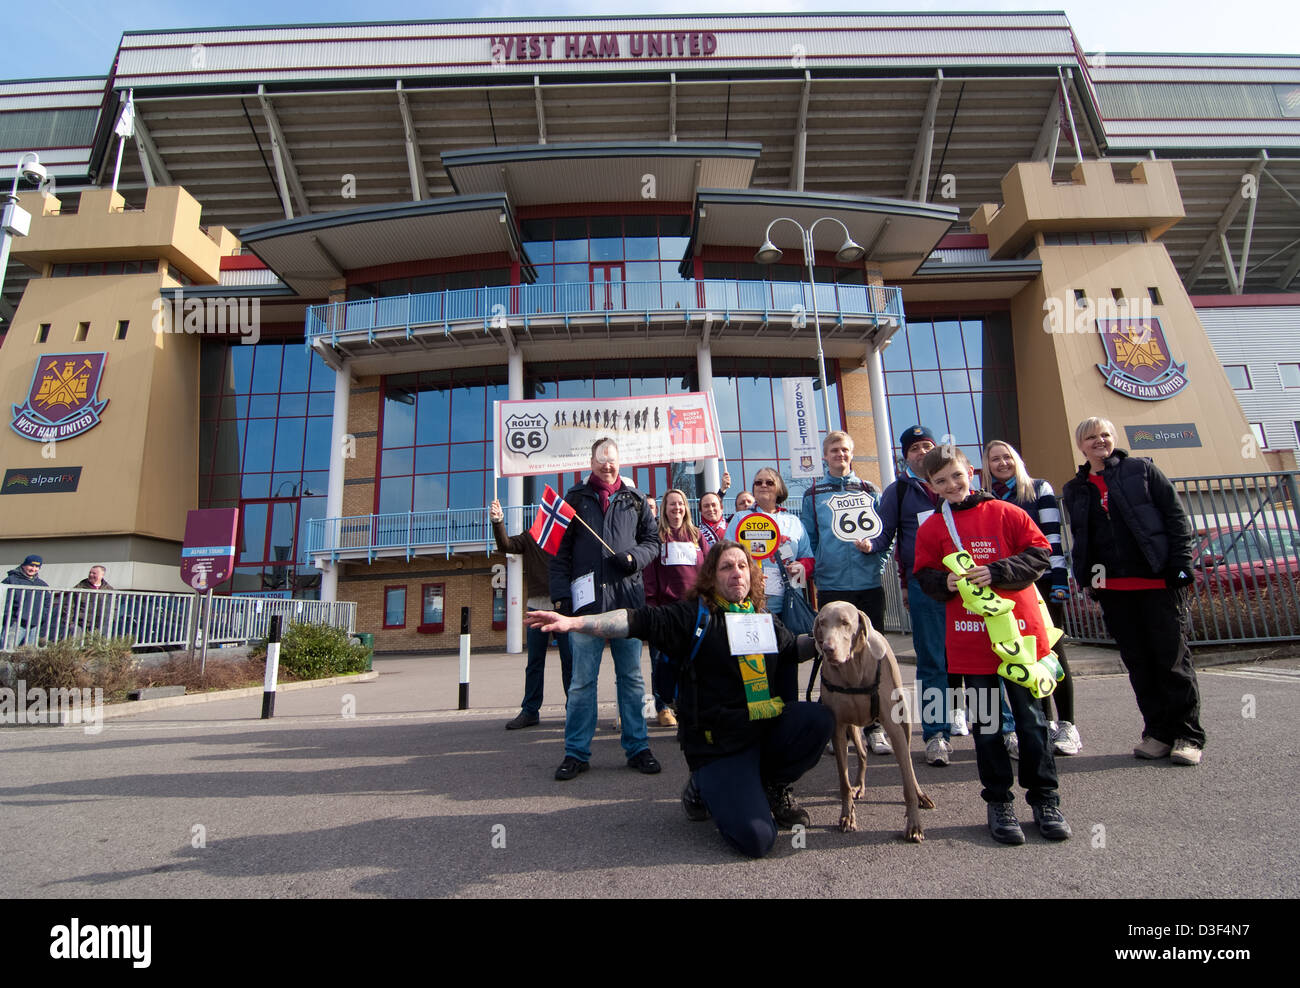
x: 33, y: 171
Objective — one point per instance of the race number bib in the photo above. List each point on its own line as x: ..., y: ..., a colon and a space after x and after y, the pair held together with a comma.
x: 853, y: 517
x: 583, y: 590
x: 751, y: 634
x: 680, y: 553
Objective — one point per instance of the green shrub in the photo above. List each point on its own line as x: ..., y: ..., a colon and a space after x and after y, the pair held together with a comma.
x: 95, y: 661
x: 314, y: 651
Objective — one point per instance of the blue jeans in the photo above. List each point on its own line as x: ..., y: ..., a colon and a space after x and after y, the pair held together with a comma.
x: 580, y: 722
x: 535, y: 674
x: 928, y: 627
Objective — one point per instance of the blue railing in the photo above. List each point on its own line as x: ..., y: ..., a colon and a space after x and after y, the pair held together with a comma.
x: 411, y: 531
x: 771, y: 300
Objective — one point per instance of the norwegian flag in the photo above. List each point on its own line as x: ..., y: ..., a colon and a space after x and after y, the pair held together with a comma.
x: 553, y: 517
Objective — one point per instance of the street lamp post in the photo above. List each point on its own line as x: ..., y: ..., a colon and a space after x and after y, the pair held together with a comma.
x: 769, y: 253
x: 16, y: 221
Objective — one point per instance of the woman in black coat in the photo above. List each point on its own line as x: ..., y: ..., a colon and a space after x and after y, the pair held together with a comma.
x: 1132, y: 547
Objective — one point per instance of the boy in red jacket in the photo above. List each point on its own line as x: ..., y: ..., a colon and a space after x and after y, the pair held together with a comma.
x: 1010, y: 553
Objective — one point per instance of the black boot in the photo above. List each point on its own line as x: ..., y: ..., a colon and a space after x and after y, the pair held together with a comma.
x: 693, y: 803
x: 785, y: 810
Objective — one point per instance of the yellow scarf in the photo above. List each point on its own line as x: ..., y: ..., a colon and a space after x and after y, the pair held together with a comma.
x: 753, y: 673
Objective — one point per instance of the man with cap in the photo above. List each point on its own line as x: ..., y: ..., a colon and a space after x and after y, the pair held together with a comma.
x: 24, y: 608
x: 904, y: 505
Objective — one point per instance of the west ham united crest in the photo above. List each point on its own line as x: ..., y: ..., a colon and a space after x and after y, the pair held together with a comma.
x: 62, y: 401
x: 1138, y: 360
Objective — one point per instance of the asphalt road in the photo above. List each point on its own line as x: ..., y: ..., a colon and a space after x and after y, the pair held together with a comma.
x: 409, y: 797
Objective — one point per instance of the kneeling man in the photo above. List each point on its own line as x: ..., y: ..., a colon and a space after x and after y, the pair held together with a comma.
x: 745, y: 745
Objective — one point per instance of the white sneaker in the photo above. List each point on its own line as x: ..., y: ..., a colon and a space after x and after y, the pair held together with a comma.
x: 877, y: 743
x: 938, y: 751
x: 1065, y: 740
x: 1013, y: 745
x: 958, y: 722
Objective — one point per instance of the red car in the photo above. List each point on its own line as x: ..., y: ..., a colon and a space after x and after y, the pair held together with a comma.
x: 1249, y: 558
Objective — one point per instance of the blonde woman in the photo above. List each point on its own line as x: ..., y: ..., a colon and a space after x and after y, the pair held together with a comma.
x: 670, y: 577
x: 1005, y: 473
x: 1128, y: 528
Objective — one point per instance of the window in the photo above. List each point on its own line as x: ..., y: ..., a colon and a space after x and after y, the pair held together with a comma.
x: 83, y: 330
x: 1258, y: 429
x: 1118, y: 295
x: 431, y: 605
x: 122, y: 325
x: 394, y: 607
x: 498, y: 610
x: 1290, y: 375
x: 1080, y: 299
x: 1238, y: 376
x: 43, y: 333
x: 1154, y: 294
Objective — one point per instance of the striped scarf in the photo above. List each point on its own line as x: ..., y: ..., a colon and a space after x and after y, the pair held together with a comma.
x: 753, y: 672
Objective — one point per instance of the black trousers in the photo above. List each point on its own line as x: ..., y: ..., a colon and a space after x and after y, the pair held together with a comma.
x: 733, y: 786
x: 1148, y: 627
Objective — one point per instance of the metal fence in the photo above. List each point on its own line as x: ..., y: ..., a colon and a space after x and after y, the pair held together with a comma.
x: 1245, y: 566
x: 38, y: 616
x: 573, y: 298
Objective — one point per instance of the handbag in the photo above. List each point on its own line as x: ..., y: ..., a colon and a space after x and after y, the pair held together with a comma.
x: 796, y: 614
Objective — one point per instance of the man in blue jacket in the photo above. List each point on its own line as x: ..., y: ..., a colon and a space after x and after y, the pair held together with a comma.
x: 904, y: 505
x: 840, y: 515
x: 590, y: 575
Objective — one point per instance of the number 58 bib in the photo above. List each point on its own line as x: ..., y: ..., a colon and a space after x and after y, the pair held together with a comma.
x: 853, y: 517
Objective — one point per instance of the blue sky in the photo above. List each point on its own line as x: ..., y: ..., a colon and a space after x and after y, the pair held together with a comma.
x: 79, y: 37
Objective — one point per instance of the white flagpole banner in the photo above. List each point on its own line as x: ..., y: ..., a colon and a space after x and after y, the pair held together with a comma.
x: 801, y: 428
x: 554, y: 435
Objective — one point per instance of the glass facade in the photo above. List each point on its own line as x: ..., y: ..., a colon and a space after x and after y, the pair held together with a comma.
x: 436, y: 440
x: 265, y: 415
x: 607, y: 249
x: 956, y: 376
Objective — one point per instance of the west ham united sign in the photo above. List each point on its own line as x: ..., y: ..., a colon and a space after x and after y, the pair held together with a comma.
x: 62, y: 401
x: 1138, y: 362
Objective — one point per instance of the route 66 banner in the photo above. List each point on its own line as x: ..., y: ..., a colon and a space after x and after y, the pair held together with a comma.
x: 554, y: 435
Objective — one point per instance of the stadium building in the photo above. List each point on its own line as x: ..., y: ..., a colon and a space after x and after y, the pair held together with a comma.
x: 321, y: 253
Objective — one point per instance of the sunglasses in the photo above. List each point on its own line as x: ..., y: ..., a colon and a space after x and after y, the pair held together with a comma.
x: 765, y: 483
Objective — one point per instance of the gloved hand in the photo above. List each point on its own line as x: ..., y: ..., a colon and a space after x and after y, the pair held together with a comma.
x: 1060, y: 595
x: 1178, y: 576
x: 625, y: 561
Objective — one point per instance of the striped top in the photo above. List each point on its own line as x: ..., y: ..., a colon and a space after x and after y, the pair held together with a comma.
x: 1046, y: 513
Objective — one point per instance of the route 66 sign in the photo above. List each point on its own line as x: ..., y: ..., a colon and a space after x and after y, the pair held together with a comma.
x: 853, y: 517
x: 526, y: 434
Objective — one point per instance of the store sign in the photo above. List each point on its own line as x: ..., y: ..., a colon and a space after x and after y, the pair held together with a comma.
x: 1139, y: 363
x: 579, y: 47
x: 801, y: 427
x: 39, y: 480
x: 1179, y: 435
x: 208, y: 555
x: 63, y: 399
x: 555, y: 435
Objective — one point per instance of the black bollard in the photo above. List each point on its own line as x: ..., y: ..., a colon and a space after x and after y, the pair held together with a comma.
x: 272, y: 669
x: 464, y: 658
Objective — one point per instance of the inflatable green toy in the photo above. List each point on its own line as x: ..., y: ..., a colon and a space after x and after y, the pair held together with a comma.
x: 1016, y: 651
